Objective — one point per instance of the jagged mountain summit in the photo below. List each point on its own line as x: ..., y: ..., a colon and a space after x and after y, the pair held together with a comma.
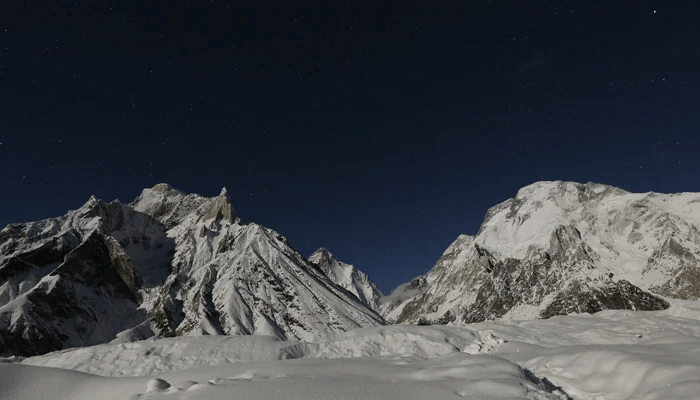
x: 559, y: 248
x: 347, y: 277
x: 167, y: 264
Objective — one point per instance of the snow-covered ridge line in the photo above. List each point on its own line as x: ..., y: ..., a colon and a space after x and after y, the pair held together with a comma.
x: 347, y: 277
x: 168, y: 264
x: 562, y: 247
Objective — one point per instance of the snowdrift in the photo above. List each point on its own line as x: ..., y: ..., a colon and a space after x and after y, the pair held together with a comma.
x: 608, y: 355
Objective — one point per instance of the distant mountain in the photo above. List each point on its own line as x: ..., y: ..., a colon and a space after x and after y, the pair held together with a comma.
x: 560, y: 248
x: 348, y: 277
x: 167, y: 264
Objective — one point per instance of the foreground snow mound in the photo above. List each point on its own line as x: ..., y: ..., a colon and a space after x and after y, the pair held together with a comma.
x: 648, y: 371
x: 153, y: 357
x: 24, y: 382
x: 453, y: 376
x: 398, y: 341
x: 684, y: 309
x: 611, y: 355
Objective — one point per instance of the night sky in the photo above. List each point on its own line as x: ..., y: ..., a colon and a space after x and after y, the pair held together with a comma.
x: 379, y: 130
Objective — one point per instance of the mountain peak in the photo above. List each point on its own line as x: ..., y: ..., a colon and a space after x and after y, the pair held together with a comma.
x: 170, y: 206
x: 556, y: 188
x: 162, y: 187
x: 220, y: 208
x: 347, y: 277
x: 224, y: 192
x: 91, y: 203
x: 321, y: 255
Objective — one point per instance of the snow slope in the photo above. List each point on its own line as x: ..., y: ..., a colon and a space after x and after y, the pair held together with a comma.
x: 240, y: 279
x: 452, y: 376
x: 348, y: 277
x: 621, y: 355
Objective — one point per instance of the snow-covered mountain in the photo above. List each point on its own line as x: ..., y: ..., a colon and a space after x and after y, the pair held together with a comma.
x: 347, y: 277
x: 167, y: 264
x: 559, y: 248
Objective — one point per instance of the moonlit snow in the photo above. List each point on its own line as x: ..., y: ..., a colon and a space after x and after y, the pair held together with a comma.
x: 609, y: 355
x: 242, y: 315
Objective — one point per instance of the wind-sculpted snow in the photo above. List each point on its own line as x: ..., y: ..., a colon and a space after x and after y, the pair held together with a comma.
x: 615, y: 354
x: 411, y: 361
x: 562, y: 247
x: 154, y: 357
x: 397, y: 341
x: 453, y: 376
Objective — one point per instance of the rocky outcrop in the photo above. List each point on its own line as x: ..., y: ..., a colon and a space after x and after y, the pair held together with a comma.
x: 579, y: 298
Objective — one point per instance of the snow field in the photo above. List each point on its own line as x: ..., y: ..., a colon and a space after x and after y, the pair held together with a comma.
x: 452, y: 376
x: 612, y: 355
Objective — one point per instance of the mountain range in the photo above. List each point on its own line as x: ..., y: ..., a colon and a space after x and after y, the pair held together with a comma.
x: 168, y: 264
x: 173, y: 264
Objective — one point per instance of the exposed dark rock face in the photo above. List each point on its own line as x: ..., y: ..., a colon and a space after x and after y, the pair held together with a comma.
x: 621, y: 295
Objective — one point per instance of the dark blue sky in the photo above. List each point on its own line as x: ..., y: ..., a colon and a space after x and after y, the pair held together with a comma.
x: 379, y: 130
